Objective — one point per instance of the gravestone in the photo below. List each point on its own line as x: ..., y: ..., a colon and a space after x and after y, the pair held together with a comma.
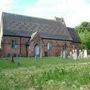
x: 80, y: 53
x: 64, y: 54
x: 85, y: 53
x: 70, y: 53
x: 75, y: 54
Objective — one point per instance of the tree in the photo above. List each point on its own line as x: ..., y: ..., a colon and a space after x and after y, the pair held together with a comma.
x: 84, y: 33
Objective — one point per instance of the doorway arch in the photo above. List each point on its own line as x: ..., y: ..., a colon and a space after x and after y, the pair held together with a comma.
x: 37, y: 50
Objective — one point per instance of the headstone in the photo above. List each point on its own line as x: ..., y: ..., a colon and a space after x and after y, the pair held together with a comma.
x: 61, y: 54
x: 75, y: 54
x: 80, y: 53
x: 85, y: 53
x: 70, y: 53
x: 64, y: 54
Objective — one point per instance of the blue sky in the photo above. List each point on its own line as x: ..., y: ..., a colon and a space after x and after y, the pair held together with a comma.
x: 73, y: 11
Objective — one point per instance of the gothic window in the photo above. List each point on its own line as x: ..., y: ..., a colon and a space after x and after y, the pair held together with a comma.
x: 14, y: 44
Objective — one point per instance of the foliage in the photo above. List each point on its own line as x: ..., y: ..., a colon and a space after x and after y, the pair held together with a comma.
x: 50, y: 73
x: 84, y: 33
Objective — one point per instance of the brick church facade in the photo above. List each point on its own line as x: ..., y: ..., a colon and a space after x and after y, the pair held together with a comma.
x: 30, y: 36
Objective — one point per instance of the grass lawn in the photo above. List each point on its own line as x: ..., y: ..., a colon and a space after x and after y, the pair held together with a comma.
x: 47, y: 73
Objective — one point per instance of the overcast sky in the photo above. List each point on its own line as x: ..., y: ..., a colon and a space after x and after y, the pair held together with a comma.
x: 73, y: 11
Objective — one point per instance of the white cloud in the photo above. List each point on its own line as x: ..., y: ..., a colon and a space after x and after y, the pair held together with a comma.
x: 73, y: 11
x: 5, y: 5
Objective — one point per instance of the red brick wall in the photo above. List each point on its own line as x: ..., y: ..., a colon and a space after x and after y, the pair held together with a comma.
x: 8, y: 50
x: 57, y: 46
x: 6, y: 46
x: 21, y: 48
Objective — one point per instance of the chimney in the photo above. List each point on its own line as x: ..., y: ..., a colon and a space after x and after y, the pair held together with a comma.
x: 60, y: 20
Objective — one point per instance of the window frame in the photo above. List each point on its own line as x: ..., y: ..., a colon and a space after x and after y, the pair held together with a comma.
x: 14, y: 43
x: 49, y: 46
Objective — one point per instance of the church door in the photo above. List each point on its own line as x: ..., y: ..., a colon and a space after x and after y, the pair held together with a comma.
x: 37, y: 50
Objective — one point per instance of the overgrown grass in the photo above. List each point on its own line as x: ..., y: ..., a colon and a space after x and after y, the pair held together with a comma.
x: 48, y: 73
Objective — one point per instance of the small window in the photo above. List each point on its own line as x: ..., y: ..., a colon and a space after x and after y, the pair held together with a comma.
x: 49, y: 46
x: 14, y: 44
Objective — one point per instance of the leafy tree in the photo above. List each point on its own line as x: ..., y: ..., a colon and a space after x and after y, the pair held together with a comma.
x: 84, y: 33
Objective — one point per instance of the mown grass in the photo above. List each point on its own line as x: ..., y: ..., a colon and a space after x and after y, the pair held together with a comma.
x: 6, y: 63
x: 48, y: 73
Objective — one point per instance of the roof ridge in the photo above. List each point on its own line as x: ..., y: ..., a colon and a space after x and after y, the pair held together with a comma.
x: 27, y: 16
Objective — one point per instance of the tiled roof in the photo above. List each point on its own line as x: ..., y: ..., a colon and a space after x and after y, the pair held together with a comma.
x: 18, y: 25
x: 74, y: 34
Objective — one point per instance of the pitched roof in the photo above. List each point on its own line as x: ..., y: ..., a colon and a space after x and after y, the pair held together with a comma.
x: 74, y: 34
x: 18, y: 25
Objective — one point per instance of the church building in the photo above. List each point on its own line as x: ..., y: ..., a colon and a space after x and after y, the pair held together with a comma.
x: 31, y: 36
